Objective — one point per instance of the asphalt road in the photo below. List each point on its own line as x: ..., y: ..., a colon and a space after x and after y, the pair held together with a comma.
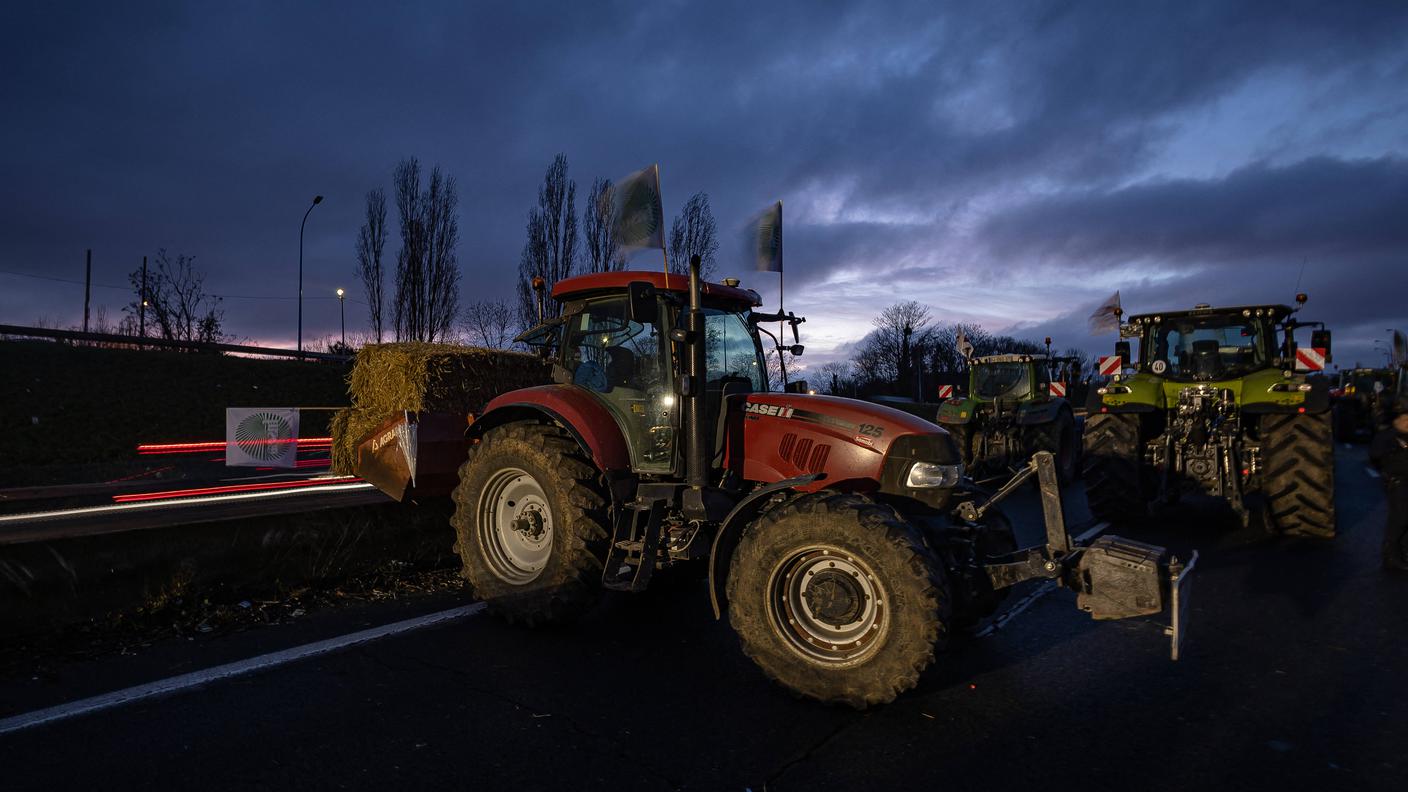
x: 1293, y: 679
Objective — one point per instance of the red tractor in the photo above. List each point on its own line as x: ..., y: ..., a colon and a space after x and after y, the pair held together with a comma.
x: 840, y: 536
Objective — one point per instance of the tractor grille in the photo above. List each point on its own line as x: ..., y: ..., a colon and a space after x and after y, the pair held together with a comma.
x: 804, y: 454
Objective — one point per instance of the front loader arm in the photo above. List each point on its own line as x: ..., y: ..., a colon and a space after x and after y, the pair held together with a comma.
x: 1113, y: 577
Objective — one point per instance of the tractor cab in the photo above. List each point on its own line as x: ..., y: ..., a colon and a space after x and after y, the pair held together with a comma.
x: 619, y: 336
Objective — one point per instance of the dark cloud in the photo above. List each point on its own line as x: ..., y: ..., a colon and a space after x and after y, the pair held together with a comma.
x: 891, y: 131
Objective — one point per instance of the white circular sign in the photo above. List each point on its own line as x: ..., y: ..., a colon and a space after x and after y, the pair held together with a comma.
x: 1159, y: 366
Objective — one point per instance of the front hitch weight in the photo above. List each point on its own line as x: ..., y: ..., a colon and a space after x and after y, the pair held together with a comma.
x: 1118, y: 578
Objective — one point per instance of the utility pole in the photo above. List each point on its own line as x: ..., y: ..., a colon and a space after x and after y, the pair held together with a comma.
x: 142, y: 303
x: 87, y: 288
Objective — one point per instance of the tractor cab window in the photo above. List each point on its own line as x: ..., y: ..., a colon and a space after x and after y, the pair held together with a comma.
x: 1207, y: 348
x: 1001, y: 381
x: 625, y: 363
x: 731, y: 352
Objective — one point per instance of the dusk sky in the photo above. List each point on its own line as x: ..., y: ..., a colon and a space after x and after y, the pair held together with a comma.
x: 1005, y: 163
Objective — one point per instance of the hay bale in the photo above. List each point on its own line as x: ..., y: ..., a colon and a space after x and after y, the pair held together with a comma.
x: 426, y: 377
x: 421, y: 377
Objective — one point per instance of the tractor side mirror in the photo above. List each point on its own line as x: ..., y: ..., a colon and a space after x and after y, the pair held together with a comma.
x: 1320, y: 339
x: 1122, y: 349
x: 642, y: 302
x: 796, y: 386
x: 796, y: 350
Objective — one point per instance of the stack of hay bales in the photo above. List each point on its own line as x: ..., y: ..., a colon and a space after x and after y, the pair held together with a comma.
x: 422, y: 377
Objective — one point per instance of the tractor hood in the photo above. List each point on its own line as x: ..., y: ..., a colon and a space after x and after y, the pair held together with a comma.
x: 1266, y: 390
x: 857, y: 445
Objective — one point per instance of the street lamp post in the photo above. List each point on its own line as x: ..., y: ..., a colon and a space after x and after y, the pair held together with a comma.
x: 342, y: 309
x: 317, y: 199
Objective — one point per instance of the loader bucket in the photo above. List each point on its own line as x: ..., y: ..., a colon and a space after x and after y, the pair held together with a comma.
x: 413, y: 454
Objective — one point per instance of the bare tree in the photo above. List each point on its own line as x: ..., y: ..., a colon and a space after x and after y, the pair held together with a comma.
x: 888, y: 355
x: 550, y: 251
x: 427, y: 271
x: 489, y: 324
x: 178, y: 307
x: 603, y: 251
x: 371, y: 241
x: 694, y: 233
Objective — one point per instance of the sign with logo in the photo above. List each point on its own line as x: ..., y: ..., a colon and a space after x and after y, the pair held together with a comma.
x: 1310, y: 359
x: 261, y: 436
x: 1109, y: 365
x: 945, y: 391
x: 1058, y: 389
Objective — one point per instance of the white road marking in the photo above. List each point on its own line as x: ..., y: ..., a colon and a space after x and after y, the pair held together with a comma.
x: 1095, y: 530
x: 1372, y: 473
x: 199, y: 500
x: 1001, y: 621
x: 196, y: 679
x: 1041, y: 591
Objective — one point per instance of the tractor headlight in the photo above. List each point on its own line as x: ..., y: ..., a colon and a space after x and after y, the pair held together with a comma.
x: 927, y: 475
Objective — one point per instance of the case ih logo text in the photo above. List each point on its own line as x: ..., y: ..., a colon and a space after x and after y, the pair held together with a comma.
x: 769, y: 409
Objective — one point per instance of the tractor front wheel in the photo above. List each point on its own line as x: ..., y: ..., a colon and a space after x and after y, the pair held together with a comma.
x: 838, y: 599
x: 530, y: 514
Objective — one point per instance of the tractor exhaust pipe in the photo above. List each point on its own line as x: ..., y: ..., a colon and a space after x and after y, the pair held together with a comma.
x: 697, y: 458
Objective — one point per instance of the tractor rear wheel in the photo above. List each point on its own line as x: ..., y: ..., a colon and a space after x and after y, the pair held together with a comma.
x: 1060, y: 438
x: 1113, y: 478
x: 1298, y: 473
x: 530, y: 514
x: 838, y: 599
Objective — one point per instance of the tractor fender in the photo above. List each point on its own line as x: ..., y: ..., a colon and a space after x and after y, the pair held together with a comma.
x: 726, y: 540
x: 586, y: 419
x: 1041, y: 412
x: 957, y: 411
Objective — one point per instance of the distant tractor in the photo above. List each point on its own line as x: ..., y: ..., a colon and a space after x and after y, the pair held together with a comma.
x: 1360, y: 400
x: 1015, y: 406
x: 840, y: 536
x: 1222, y: 401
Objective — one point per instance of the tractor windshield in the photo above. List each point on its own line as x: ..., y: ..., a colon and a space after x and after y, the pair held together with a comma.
x: 1208, y: 347
x: 731, y: 351
x: 1001, y: 380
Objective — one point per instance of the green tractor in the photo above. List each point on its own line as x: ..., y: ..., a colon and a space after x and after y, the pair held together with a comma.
x: 1219, y: 404
x: 1015, y: 406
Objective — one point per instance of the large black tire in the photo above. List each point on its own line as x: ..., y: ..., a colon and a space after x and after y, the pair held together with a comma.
x: 1113, y: 479
x: 531, y: 516
x: 963, y: 438
x: 1298, y: 473
x: 838, y: 599
x: 1058, y: 437
x: 995, y: 538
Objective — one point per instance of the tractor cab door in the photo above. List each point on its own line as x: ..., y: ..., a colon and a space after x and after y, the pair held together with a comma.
x: 626, y: 362
x: 733, y: 368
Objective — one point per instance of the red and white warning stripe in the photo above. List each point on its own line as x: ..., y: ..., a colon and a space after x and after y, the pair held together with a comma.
x: 1109, y: 365
x: 1058, y: 389
x: 945, y: 391
x: 1310, y: 359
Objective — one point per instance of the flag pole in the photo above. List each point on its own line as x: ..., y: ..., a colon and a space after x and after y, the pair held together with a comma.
x: 781, y: 275
x: 664, y: 243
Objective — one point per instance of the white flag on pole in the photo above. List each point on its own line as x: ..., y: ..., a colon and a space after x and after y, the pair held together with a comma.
x: 638, y: 215
x: 261, y: 436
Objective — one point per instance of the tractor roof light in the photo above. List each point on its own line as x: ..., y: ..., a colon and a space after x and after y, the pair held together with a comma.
x: 1246, y: 312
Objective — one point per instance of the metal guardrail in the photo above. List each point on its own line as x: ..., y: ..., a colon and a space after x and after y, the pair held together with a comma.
x: 19, y: 331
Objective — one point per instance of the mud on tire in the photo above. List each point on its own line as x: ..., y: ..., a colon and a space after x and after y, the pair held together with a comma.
x: 838, y: 599
x: 1298, y: 473
x: 1060, y: 438
x: 531, y: 516
x: 1113, y: 479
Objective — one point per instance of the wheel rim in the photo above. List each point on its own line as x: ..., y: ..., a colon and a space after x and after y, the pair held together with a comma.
x: 515, y: 526
x: 828, y: 605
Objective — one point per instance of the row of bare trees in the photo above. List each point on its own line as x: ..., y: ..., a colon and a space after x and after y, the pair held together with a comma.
x: 425, y: 297
x: 170, y: 301
x: 552, y: 250
x: 907, y: 351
